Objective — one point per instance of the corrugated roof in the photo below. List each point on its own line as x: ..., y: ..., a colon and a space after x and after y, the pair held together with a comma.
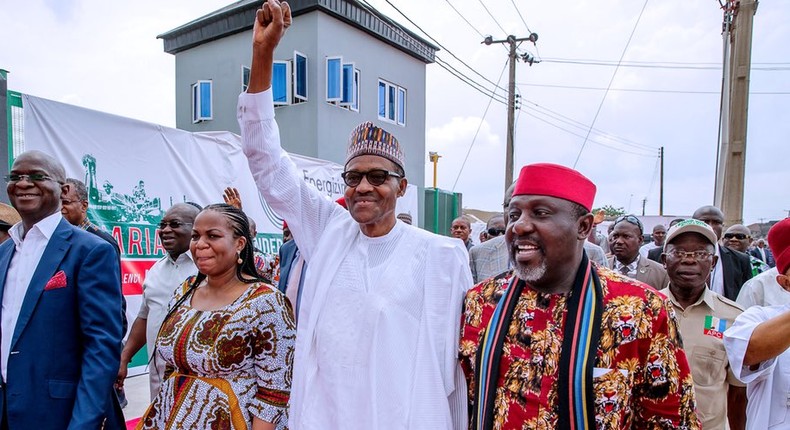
x: 238, y: 17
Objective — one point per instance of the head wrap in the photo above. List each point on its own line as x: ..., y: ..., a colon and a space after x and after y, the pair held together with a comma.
x: 367, y: 139
x: 553, y: 180
x: 779, y: 242
x: 691, y: 226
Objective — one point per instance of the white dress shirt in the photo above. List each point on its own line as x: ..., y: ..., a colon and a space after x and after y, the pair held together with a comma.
x: 717, y: 276
x: 28, y: 252
x: 763, y: 290
x: 767, y: 387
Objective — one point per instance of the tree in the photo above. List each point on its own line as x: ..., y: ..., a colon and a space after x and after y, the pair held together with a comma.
x: 610, y: 211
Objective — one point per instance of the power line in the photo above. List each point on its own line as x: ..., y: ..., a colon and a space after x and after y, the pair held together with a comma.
x: 656, y: 66
x: 469, y: 81
x: 573, y: 123
x: 645, y: 90
x: 681, y: 63
x: 598, y: 112
x: 591, y: 140
x: 439, y: 44
x: 465, y: 20
x: 518, y: 12
x: 489, y: 14
x: 482, y: 120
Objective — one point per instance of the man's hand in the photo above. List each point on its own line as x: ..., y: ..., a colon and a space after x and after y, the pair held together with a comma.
x: 122, y: 372
x: 271, y: 22
x: 231, y: 197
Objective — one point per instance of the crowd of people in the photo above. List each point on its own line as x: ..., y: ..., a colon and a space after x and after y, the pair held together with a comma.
x: 366, y: 322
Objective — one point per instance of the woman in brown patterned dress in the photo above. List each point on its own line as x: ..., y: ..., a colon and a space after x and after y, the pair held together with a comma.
x: 228, y: 339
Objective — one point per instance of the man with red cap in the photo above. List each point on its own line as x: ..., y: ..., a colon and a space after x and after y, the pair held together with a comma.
x: 758, y: 347
x: 378, y: 310
x: 559, y: 343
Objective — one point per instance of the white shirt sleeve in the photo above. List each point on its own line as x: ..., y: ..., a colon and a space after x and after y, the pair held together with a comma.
x: 303, y: 207
x: 736, y: 340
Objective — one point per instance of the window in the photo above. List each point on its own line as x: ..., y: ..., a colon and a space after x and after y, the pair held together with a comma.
x: 401, y: 117
x: 392, y: 103
x: 334, y: 79
x: 281, y: 83
x: 300, y: 76
x: 355, y: 101
x: 348, y: 85
x: 201, y: 101
x: 245, y: 78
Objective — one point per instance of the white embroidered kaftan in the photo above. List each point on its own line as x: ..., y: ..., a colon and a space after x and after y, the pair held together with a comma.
x: 379, y: 317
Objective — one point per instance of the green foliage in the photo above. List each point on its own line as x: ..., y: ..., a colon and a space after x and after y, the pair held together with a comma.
x: 610, y: 211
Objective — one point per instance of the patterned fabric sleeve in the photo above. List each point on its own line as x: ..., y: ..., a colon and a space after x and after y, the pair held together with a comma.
x: 274, y: 335
x: 664, y: 390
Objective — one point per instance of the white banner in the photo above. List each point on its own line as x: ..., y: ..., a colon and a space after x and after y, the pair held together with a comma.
x: 135, y: 171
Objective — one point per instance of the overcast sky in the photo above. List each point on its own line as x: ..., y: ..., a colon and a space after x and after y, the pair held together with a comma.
x: 104, y: 55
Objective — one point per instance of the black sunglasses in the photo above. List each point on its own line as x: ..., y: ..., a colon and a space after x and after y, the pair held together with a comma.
x: 172, y: 224
x: 496, y: 231
x: 375, y: 177
x: 739, y: 236
x: 631, y: 219
x: 33, y: 177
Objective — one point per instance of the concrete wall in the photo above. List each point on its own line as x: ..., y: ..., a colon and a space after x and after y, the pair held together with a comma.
x: 315, y: 128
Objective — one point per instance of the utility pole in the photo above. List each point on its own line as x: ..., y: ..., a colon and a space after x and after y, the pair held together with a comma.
x: 740, y: 67
x: 644, y: 203
x: 661, y: 184
x: 512, y: 42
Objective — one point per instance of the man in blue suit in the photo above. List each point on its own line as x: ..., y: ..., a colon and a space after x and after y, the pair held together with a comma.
x: 60, y: 318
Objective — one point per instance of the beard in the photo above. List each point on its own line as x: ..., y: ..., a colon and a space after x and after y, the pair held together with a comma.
x: 529, y: 274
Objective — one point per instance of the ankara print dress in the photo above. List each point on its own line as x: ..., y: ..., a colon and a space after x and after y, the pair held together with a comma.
x: 227, y: 366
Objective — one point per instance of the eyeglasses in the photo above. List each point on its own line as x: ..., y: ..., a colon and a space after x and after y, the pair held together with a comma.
x: 172, y: 224
x: 696, y: 255
x: 33, y: 177
x: 631, y: 219
x: 496, y: 231
x: 739, y: 236
x: 375, y: 177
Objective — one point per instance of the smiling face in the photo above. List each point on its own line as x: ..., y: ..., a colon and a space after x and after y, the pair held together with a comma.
x: 373, y: 207
x: 688, y: 274
x: 175, y: 228
x: 36, y: 200
x: 545, y: 239
x: 214, y: 246
x: 738, y: 237
x: 72, y: 208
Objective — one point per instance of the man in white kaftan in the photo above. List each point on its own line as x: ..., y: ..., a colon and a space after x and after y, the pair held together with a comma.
x: 377, y: 337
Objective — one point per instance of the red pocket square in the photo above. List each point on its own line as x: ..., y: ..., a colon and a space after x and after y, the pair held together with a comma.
x: 57, y: 281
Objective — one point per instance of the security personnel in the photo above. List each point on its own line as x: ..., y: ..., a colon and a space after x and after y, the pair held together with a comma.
x: 689, y: 256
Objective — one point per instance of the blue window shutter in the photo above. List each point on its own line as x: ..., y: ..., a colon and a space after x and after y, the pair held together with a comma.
x: 195, y: 104
x: 391, y: 102
x: 280, y: 82
x: 401, y: 106
x: 382, y: 100
x: 348, y: 84
x: 205, y: 100
x: 355, y: 101
x: 334, y: 76
x: 300, y: 72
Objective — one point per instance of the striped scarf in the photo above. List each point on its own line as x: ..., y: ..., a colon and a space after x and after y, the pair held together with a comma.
x: 580, y: 344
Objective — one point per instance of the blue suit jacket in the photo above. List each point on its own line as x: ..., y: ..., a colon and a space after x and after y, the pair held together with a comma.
x: 65, y: 349
x: 287, y: 255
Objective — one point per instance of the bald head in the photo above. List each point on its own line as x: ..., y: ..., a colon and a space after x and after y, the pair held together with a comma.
x: 738, y: 237
x: 52, y: 165
x: 712, y: 216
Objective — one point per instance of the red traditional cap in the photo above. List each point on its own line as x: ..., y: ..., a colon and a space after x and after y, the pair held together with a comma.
x: 285, y: 225
x: 779, y: 242
x: 553, y: 180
